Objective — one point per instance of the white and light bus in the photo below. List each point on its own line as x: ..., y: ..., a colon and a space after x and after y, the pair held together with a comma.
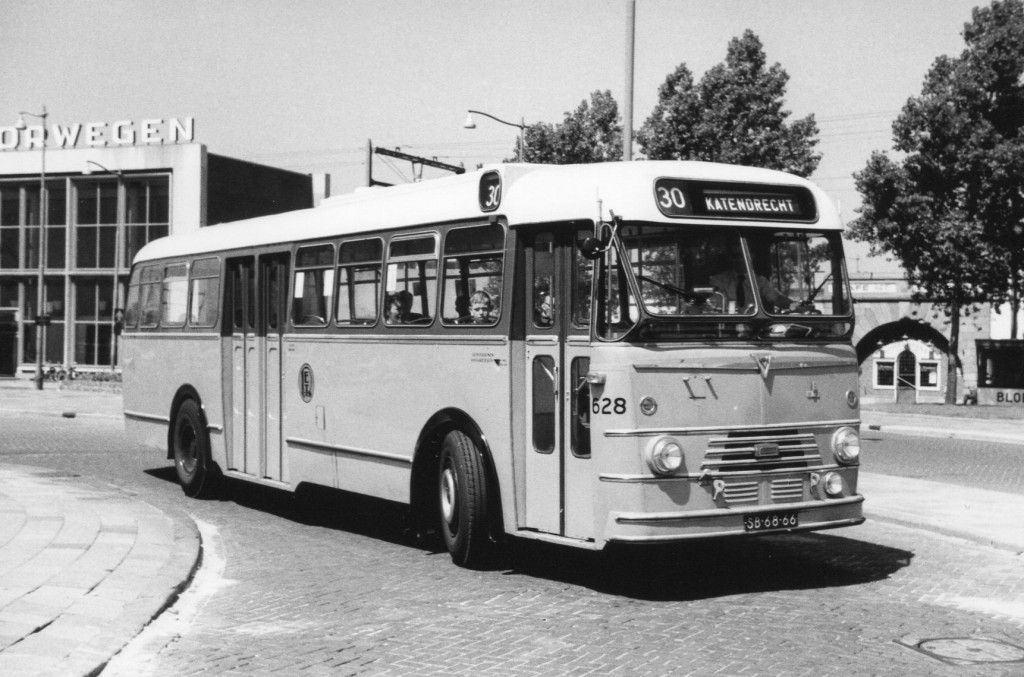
x: 572, y: 353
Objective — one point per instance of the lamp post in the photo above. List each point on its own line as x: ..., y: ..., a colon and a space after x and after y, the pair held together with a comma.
x: 115, y: 300
x: 42, y: 318
x: 470, y: 124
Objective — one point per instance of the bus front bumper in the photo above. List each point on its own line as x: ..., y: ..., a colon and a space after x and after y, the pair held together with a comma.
x: 663, y: 527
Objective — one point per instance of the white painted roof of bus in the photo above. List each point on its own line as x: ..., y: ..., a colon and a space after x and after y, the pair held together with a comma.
x: 531, y: 194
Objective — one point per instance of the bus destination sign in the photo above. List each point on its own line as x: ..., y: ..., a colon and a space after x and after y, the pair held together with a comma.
x: 678, y: 198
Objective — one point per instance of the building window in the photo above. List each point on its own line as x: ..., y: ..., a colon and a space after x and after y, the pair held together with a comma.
x: 93, y: 322
x: 147, y: 213
x: 928, y: 375
x: 96, y: 230
x: 19, y: 225
x: 885, y: 373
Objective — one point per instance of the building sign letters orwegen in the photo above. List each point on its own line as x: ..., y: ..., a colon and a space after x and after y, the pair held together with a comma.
x: 100, y: 134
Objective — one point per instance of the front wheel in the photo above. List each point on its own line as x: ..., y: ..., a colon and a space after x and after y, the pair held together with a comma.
x: 462, y: 493
x: 190, y: 446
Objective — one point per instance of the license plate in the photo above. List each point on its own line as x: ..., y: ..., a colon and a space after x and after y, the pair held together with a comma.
x: 770, y: 521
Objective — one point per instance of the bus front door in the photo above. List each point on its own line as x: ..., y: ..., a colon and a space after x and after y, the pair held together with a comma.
x: 258, y: 295
x: 559, y: 493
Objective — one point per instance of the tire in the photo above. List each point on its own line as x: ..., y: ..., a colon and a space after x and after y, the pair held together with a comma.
x: 462, y: 501
x: 190, y: 447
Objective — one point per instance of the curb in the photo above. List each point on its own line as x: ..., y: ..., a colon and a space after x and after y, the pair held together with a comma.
x: 947, y: 433
x: 980, y: 516
x: 86, y: 567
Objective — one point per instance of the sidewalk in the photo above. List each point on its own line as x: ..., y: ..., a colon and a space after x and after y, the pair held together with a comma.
x: 84, y: 566
x: 925, y: 425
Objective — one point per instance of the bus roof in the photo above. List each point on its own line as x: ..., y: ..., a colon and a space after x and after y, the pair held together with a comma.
x: 529, y: 194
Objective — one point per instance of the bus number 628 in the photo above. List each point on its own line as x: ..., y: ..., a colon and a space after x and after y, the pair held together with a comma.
x: 606, y: 405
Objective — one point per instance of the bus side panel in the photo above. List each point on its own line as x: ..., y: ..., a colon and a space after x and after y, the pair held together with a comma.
x: 155, y: 367
x: 370, y: 404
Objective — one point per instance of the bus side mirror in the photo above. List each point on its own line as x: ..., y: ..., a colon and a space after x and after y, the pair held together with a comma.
x: 591, y: 248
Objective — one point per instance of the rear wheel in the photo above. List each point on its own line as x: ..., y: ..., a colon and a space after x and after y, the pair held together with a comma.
x: 462, y: 493
x: 191, y: 450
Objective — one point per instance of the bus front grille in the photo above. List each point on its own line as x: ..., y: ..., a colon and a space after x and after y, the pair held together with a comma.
x: 787, y: 489
x: 741, y: 492
x: 761, y: 450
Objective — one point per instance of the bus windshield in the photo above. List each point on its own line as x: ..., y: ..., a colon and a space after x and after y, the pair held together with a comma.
x: 747, y: 283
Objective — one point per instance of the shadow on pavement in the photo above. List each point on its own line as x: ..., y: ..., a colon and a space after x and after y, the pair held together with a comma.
x: 676, y: 572
x: 716, y: 567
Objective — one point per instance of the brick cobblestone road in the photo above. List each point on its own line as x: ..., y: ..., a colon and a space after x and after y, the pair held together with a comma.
x: 347, y: 598
x: 336, y: 588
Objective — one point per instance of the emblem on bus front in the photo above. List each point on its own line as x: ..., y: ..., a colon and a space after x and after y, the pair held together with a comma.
x: 306, y: 383
x: 764, y: 362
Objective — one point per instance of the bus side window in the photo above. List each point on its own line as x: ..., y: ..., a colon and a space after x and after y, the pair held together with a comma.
x: 359, y: 270
x: 472, y: 275
x: 411, y: 289
x: 582, y: 279
x: 174, y: 295
x: 543, y: 274
x: 314, y: 284
x: 149, y: 296
x: 131, y: 309
x: 204, y: 293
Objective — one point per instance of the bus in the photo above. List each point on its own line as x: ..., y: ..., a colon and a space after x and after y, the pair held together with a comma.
x: 1000, y: 372
x: 617, y: 353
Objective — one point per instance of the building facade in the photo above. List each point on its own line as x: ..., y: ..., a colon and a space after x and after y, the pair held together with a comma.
x: 104, y: 202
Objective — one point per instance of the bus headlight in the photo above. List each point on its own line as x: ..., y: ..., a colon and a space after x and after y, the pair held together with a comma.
x: 846, y: 445
x: 833, y: 484
x: 665, y: 456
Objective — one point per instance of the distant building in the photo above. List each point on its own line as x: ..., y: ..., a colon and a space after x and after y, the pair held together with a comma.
x: 903, y: 344
x: 111, y: 188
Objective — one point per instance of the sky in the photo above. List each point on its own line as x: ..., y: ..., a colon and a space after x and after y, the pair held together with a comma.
x: 306, y: 84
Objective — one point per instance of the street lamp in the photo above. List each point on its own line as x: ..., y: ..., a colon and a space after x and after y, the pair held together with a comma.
x: 470, y: 124
x: 116, y: 295
x: 42, y: 318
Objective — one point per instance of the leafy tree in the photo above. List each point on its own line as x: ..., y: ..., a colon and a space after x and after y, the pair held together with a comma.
x: 951, y: 209
x: 591, y: 133
x: 985, y: 89
x: 733, y: 115
x: 908, y: 211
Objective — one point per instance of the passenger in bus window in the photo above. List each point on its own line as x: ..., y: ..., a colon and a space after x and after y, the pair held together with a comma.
x: 544, y: 304
x: 481, y: 308
x: 398, y: 309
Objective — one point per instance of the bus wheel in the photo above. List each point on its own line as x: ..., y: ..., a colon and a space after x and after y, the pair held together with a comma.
x: 463, y: 500
x: 191, y: 451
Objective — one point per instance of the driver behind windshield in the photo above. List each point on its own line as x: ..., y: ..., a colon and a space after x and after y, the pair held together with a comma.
x: 732, y: 286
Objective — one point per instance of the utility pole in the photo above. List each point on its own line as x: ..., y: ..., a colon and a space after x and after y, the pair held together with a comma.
x: 627, y: 107
x: 414, y: 159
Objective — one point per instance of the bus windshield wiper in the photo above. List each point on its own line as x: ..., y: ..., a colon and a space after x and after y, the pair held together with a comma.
x: 669, y: 287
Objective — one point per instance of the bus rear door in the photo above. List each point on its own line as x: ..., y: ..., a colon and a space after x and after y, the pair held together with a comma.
x: 258, y: 294
x: 558, y: 470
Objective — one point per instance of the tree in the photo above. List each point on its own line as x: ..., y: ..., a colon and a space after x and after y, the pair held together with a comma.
x: 987, y: 91
x: 733, y: 115
x: 951, y: 210
x: 591, y: 133
x: 908, y: 211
